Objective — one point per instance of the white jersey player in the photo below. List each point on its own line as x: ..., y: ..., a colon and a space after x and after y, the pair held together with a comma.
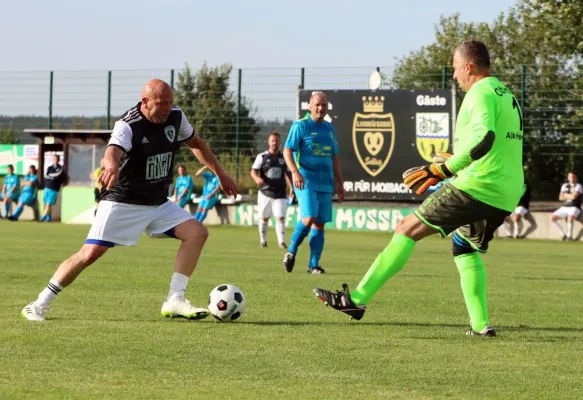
x: 271, y: 174
x: 570, y: 195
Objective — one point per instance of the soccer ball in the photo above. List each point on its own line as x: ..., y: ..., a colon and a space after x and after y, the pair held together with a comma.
x: 226, y: 303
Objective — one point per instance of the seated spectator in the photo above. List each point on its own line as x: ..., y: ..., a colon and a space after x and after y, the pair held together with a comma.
x: 520, y: 212
x: 571, y: 197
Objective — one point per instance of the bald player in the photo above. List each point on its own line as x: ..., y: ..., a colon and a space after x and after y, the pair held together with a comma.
x: 311, y: 155
x: 138, y: 165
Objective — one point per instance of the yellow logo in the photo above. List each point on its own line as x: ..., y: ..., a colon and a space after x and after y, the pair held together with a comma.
x: 432, y: 133
x: 373, y: 135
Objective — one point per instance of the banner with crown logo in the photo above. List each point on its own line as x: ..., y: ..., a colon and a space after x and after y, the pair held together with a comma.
x: 373, y: 135
x: 382, y: 133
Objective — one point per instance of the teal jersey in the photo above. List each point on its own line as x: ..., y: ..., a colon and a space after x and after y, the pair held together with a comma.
x: 184, y: 183
x: 489, y: 114
x: 314, y: 146
x: 30, y: 189
x: 12, y: 182
x: 211, y: 182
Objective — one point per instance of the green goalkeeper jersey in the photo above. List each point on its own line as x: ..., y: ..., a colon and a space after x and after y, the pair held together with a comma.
x: 487, y: 156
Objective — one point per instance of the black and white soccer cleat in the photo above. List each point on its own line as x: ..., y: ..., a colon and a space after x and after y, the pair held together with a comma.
x: 340, y: 301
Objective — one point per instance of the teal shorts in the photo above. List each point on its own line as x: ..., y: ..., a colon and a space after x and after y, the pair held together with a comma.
x: 50, y: 197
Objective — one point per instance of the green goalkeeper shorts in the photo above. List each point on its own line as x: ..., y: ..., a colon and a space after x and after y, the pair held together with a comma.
x: 449, y: 208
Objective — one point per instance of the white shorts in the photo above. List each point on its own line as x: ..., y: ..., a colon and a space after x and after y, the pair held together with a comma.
x: 520, y: 211
x: 271, y: 207
x: 122, y: 224
x: 565, y: 212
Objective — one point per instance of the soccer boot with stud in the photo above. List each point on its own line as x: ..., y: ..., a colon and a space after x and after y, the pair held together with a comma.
x: 177, y: 306
x: 340, y: 301
x: 316, y: 270
x: 486, y: 332
x: 289, y: 260
x: 34, y: 312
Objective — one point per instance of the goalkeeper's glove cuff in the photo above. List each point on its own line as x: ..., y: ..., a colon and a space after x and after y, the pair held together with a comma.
x: 441, y: 170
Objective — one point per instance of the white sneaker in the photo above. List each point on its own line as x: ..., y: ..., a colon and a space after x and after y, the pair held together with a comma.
x: 180, y: 307
x: 34, y: 312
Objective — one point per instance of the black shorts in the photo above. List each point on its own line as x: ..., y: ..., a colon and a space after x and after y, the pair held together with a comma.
x: 449, y: 209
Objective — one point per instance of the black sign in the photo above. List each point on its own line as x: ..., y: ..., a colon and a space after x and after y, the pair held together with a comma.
x: 384, y: 132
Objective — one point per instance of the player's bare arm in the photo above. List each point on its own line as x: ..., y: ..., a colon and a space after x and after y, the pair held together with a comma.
x: 204, y: 154
x: 213, y: 193
x: 338, y: 177
x: 290, y: 184
x: 200, y: 171
x: 255, y: 175
x: 297, y: 178
x: 110, y: 175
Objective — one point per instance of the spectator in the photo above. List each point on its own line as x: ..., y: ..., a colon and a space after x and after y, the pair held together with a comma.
x: 571, y: 197
x: 10, y: 190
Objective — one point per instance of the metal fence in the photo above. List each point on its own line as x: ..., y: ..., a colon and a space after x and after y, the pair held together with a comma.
x: 551, y: 98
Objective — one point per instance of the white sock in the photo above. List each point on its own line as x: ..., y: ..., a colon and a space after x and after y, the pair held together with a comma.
x: 280, y: 231
x: 559, y: 227
x: 49, y: 293
x: 262, y: 231
x: 569, y: 228
x: 506, y: 228
x: 517, y: 226
x: 178, y: 285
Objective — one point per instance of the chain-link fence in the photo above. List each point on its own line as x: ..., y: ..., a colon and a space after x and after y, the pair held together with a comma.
x: 245, y: 106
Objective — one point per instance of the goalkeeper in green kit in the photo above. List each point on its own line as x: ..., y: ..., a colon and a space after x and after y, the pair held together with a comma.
x: 487, y: 185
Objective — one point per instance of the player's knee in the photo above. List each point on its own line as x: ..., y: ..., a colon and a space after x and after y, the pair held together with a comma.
x: 406, y: 226
x: 308, y: 221
x: 90, y: 254
x: 458, y: 249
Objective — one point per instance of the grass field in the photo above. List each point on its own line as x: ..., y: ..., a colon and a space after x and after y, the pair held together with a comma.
x: 104, y: 337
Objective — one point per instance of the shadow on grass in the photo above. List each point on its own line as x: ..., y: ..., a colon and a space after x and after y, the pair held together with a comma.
x: 342, y: 323
x: 528, y: 278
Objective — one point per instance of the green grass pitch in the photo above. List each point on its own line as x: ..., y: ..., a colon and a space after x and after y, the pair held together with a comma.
x: 105, y: 338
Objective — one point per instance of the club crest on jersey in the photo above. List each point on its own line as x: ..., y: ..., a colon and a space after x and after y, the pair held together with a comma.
x: 373, y: 135
x: 170, y: 133
x: 281, y: 161
x: 432, y: 133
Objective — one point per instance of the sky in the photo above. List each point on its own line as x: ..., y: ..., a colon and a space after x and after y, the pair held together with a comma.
x: 66, y: 35
x: 269, y: 40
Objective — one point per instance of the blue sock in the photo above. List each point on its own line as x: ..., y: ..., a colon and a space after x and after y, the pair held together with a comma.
x: 18, y: 211
x: 316, y: 247
x: 48, y: 219
x: 197, y: 215
x: 6, y: 209
x: 203, y: 215
x: 300, y: 233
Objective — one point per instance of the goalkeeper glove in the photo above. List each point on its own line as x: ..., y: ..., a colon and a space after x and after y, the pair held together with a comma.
x: 419, y: 179
x: 440, y: 158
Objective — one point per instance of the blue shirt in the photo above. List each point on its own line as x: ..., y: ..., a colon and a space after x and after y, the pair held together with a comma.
x: 211, y: 181
x: 30, y: 190
x: 12, y: 181
x: 184, y: 183
x: 314, y: 146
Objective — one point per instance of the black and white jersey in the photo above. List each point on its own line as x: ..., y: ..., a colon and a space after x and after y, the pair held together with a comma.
x: 568, y: 188
x: 272, y: 169
x: 146, y: 169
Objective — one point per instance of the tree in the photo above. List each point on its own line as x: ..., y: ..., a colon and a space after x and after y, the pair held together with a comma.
x: 540, y: 62
x: 7, y: 136
x: 211, y: 107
